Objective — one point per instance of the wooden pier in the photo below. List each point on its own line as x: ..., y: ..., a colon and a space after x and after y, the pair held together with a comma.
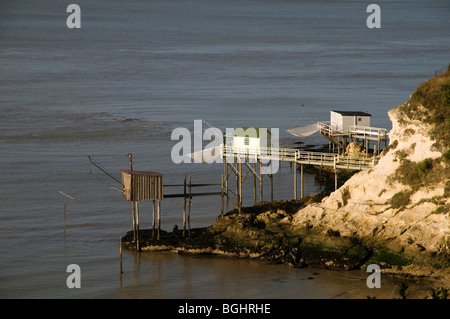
x: 342, y: 137
x: 244, y: 158
x: 234, y: 157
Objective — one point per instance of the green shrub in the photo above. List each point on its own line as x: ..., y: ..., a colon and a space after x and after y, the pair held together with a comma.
x: 391, y: 146
x: 445, y: 94
x: 383, y: 255
x: 401, y: 154
x: 447, y: 189
x: 446, y: 155
x: 409, y: 132
x: 407, y: 173
x: 434, y: 95
x: 440, y: 293
x: 441, y: 210
x: 414, y: 174
x: 425, y: 165
x: 400, y: 199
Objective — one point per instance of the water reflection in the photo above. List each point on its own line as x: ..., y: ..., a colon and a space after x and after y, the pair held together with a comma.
x: 171, y: 275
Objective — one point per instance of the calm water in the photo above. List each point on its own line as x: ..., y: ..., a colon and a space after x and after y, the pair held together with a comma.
x: 135, y: 71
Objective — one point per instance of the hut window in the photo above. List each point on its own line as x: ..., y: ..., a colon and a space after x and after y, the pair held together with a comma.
x: 246, y: 140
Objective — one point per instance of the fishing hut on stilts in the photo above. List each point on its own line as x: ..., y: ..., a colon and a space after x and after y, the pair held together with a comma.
x: 250, y: 148
x: 140, y: 186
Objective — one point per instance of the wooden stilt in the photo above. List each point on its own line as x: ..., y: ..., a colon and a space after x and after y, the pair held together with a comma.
x: 271, y: 187
x: 301, y: 180
x: 295, y: 181
x: 153, y: 221
x: 237, y: 184
x: 335, y: 179
x: 133, y: 212
x: 254, y: 182
x: 184, y: 207
x: 189, y: 207
x: 338, y: 149
x: 367, y: 145
x: 221, y: 195
x: 226, y: 177
x: 65, y: 217
x: 159, y: 220
x: 240, y: 187
x: 137, y: 227
x: 120, y: 253
x: 344, y: 145
x: 261, y: 175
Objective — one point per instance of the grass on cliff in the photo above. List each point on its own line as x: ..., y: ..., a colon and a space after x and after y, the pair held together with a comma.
x: 425, y: 173
x: 434, y: 96
x: 382, y: 255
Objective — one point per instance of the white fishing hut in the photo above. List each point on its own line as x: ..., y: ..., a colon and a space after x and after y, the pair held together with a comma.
x: 343, y: 120
x: 251, y: 139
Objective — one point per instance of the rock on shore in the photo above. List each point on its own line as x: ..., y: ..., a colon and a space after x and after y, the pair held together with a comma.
x: 265, y: 231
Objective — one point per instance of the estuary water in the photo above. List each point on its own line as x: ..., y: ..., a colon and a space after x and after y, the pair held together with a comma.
x: 134, y: 72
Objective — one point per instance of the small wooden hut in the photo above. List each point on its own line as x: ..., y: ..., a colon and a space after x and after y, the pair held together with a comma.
x: 140, y: 186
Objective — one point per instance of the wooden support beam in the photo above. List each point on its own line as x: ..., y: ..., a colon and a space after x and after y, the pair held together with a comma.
x: 240, y: 186
x: 189, y: 207
x: 159, y: 219
x: 237, y: 183
x: 260, y: 183
x: 133, y: 210
x: 65, y: 217
x: 221, y: 199
x: 226, y: 176
x: 153, y: 220
x: 120, y: 253
x: 301, y: 180
x: 184, y: 207
x: 335, y: 179
x: 137, y: 227
x: 271, y: 187
x: 254, y: 183
x: 295, y: 181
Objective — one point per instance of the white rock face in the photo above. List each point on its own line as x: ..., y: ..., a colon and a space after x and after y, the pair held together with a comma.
x: 361, y: 207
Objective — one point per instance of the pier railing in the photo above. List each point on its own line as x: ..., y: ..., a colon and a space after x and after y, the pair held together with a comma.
x: 325, y: 127
x: 300, y: 157
x: 369, y: 131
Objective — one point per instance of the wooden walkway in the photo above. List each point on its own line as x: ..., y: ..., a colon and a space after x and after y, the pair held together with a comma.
x: 356, y: 131
x: 302, y: 157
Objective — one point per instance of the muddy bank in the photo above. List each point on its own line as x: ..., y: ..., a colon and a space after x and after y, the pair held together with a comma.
x: 264, y: 231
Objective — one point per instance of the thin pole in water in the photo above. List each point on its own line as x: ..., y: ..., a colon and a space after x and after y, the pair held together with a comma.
x: 65, y: 204
x: 121, y: 271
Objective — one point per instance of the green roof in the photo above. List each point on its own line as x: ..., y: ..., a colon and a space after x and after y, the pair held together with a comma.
x: 250, y: 131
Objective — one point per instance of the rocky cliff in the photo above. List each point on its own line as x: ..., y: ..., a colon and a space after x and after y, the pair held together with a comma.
x: 399, y: 209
